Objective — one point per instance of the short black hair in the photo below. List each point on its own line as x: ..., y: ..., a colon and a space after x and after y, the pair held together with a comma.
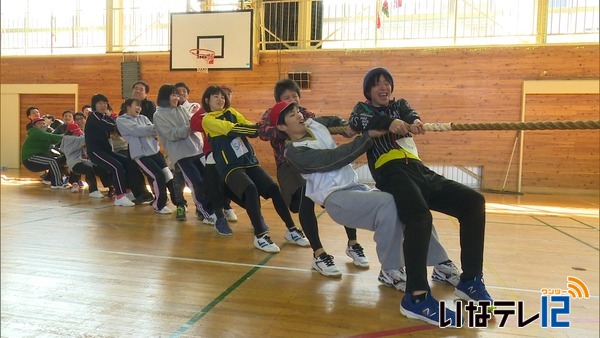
x: 371, y: 79
x: 211, y: 90
x: 99, y: 98
x: 49, y: 116
x: 164, y: 95
x: 143, y: 83
x: 79, y: 114
x: 30, y: 108
x: 68, y: 111
x: 283, y: 85
x: 182, y: 84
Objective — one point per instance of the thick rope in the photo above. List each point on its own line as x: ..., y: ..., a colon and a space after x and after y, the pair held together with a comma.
x: 542, y: 125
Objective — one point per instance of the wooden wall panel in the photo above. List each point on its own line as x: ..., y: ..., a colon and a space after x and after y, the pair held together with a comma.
x: 443, y: 85
x: 554, y: 159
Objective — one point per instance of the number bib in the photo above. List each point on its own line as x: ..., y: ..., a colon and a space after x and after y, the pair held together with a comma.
x: 239, y: 147
x: 408, y: 144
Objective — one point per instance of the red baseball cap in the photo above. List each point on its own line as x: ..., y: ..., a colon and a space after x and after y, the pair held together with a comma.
x: 278, y: 108
x: 74, y: 129
x: 36, y: 120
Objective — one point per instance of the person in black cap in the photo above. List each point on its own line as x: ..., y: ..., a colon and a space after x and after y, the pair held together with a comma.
x: 397, y: 169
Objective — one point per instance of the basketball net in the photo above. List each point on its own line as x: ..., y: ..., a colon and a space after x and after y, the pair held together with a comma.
x: 202, y: 58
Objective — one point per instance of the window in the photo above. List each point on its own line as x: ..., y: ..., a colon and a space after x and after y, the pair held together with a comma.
x: 47, y: 27
x: 42, y: 27
x: 302, y: 79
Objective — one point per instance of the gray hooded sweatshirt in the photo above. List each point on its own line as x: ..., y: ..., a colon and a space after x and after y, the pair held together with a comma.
x: 72, y: 147
x: 178, y: 140
x: 140, y: 134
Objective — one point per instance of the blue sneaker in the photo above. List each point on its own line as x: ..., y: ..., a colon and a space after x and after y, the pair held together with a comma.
x: 222, y: 227
x: 427, y: 310
x: 473, y: 289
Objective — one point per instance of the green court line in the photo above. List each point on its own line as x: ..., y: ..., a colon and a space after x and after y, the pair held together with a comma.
x: 583, y: 223
x: 565, y: 233
x: 226, y: 293
x: 221, y: 297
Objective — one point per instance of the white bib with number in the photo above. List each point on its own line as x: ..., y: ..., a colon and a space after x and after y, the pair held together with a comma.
x: 408, y: 144
x: 239, y: 147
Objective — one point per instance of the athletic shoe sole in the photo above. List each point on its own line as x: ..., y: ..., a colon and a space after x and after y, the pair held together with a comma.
x: 412, y: 315
x: 325, y: 273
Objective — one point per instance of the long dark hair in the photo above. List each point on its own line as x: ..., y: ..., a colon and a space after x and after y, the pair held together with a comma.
x: 212, y: 90
x: 164, y: 95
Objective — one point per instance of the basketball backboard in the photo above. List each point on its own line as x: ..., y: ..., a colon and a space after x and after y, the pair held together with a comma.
x: 228, y: 34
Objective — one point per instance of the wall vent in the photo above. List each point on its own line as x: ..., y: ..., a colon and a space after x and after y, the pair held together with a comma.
x: 130, y: 74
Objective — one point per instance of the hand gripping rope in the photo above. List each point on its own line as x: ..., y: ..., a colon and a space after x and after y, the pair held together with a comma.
x: 542, y: 125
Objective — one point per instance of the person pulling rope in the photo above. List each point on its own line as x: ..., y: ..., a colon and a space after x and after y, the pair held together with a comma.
x: 540, y: 125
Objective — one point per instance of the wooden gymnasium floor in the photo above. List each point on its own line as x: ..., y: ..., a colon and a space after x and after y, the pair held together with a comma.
x: 75, y: 267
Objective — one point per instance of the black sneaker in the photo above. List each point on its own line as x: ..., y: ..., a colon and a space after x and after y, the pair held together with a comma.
x: 144, y: 198
x: 180, y: 213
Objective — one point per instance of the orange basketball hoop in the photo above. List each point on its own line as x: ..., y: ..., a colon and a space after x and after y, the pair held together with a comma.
x: 203, y: 58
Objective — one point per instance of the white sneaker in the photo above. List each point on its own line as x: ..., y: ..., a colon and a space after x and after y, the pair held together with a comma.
x: 230, y: 215
x: 393, y: 278
x: 297, y: 237
x: 356, y: 252
x: 165, y: 211
x: 75, y: 187
x: 124, y: 202
x: 61, y: 187
x: 446, y: 272
x: 210, y: 220
x: 96, y: 194
x: 325, y: 265
x: 130, y: 196
x: 265, y: 243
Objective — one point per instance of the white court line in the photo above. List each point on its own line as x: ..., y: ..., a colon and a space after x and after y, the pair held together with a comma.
x: 281, y: 268
x: 209, y: 261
